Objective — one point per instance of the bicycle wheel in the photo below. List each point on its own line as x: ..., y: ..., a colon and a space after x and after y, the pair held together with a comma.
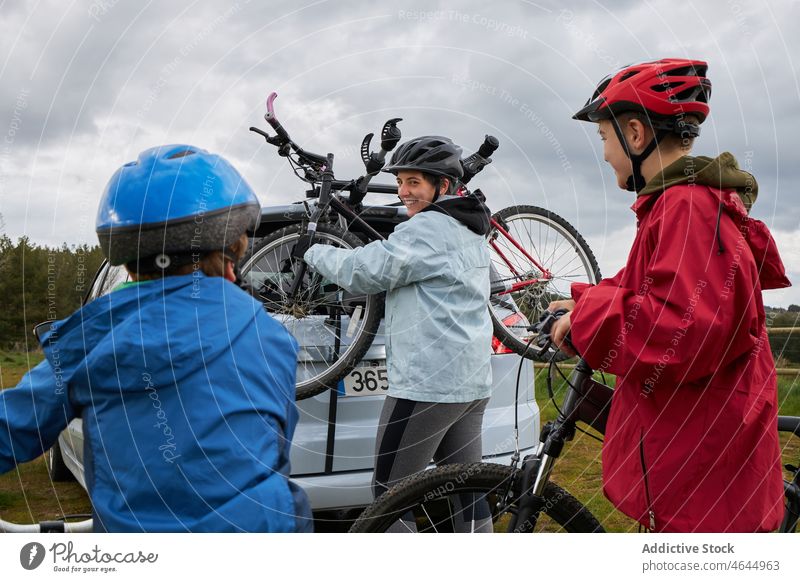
x: 537, y: 239
x: 333, y: 328
x: 462, y: 497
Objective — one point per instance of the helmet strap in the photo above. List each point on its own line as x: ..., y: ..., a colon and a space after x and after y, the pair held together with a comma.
x: 636, y: 182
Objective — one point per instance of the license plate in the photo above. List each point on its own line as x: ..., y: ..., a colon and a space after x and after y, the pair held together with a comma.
x: 366, y: 381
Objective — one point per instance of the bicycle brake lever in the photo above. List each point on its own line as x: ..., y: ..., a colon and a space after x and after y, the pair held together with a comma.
x: 543, y: 328
x: 271, y: 139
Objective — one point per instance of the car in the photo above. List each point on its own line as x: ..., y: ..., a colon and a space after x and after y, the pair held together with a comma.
x: 333, y: 448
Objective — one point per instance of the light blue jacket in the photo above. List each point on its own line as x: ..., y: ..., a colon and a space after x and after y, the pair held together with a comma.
x: 438, y: 330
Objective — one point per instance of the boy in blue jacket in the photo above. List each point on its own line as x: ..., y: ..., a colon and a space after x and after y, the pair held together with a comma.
x: 184, y: 384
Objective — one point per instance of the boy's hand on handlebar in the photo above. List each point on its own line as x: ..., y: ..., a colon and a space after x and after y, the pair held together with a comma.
x: 567, y: 304
x: 560, y: 330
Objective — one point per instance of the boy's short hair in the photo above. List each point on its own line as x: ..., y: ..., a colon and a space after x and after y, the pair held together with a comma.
x: 210, y: 263
x: 684, y: 141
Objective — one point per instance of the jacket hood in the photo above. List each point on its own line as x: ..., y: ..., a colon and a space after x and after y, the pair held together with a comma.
x: 470, y: 210
x: 733, y: 192
x: 722, y: 173
x: 138, y: 329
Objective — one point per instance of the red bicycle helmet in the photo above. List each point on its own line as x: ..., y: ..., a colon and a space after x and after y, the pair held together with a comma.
x: 664, y: 90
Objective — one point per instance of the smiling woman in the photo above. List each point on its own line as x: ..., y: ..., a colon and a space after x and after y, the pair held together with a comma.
x: 417, y: 190
x: 435, y: 270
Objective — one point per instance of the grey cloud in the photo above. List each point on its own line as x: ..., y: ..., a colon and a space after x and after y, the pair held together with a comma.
x: 199, y: 72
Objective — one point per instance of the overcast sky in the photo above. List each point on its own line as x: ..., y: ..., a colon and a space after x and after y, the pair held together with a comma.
x: 85, y: 86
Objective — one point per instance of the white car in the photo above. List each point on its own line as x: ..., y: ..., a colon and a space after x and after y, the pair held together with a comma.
x: 333, y: 448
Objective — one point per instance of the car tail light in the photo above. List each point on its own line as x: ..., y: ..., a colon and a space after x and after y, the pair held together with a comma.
x: 497, y: 346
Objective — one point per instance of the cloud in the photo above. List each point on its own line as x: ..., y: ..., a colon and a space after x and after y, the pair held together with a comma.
x: 84, y: 88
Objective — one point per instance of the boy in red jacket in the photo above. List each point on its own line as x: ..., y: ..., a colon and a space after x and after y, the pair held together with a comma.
x: 691, y: 442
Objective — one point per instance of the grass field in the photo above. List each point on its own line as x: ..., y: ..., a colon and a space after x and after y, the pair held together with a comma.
x: 27, y: 494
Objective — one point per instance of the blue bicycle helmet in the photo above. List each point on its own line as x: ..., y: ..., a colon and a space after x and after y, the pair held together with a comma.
x: 174, y: 202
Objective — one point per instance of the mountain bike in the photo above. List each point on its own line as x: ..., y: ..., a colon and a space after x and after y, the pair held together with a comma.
x: 522, y: 498
x: 535, y: 256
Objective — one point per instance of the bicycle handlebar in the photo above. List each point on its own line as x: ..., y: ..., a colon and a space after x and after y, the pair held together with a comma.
x: 272, y: 120
x: 476, y: 162
x: 85, y: 526
x: 390, y: 136
x: 283, y: 141
x: 489, y: 146
x: 543, y: 327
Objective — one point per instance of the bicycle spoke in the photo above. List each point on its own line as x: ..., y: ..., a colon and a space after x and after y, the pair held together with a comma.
x: 550, y: 243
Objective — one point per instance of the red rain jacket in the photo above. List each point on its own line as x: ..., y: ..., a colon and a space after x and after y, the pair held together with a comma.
x: 691, y: 442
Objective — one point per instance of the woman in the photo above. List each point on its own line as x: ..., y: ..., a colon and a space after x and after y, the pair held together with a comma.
x: 435, y: 269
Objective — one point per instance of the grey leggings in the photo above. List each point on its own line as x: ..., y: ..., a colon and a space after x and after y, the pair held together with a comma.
x: 412, y: 433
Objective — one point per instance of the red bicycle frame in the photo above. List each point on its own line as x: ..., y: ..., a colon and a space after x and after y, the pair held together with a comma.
x: 500, y: 287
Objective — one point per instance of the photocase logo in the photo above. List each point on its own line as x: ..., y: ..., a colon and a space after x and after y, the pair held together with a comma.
x: 31, y: 555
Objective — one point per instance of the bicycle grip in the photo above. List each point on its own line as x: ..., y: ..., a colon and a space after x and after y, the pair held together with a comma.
x: 489, y: 146
x: 272, y: 120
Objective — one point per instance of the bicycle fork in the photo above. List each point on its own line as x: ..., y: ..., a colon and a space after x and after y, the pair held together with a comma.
x: 537, y: 468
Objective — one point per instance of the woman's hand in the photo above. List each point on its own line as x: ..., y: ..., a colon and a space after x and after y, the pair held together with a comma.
x: 560, y: 329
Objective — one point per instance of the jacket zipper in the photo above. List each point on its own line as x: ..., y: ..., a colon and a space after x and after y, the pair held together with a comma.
x: 651, y: 514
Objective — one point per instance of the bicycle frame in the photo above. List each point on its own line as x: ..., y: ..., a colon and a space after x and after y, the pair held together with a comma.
x: 499, y: 287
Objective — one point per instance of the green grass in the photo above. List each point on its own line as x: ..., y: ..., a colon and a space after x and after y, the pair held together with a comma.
x: 14, y: 365
x: 28, y: 495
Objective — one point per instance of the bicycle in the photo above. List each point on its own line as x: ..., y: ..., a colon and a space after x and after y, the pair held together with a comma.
x: 535, y: 254
x: 521, y: 498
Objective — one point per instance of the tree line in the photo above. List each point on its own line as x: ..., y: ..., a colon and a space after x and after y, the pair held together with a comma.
x: 40, y: 283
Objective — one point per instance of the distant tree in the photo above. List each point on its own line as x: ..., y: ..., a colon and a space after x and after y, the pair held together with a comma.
x: 39, y: 283
x: 793, y: 308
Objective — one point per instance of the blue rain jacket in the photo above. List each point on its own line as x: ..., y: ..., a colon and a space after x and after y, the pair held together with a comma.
x: 186, y: 390
x: 438, y: 329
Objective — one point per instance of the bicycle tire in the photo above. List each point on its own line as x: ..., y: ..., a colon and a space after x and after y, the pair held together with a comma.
x: 317, y: 315
x: 562, y: 511
x: 512, y: 313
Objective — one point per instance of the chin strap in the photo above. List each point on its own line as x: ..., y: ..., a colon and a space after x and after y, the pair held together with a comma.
x: 636, y: 181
